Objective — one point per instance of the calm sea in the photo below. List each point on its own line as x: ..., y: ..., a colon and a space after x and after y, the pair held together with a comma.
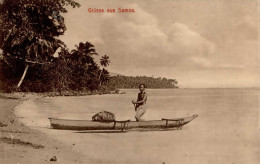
x: 161, y: 103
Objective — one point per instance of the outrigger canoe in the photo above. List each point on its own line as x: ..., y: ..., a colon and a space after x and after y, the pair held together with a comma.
x: 67, y: 124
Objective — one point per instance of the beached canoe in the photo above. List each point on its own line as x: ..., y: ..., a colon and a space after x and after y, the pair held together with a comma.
x: 67, y: 124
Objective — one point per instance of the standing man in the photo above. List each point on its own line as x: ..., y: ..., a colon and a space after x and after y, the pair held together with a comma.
x: 140, y: 106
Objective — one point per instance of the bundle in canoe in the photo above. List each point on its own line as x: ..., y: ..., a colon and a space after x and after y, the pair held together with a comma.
x: 67, y: 124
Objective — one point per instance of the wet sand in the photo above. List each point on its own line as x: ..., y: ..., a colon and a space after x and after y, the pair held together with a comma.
x: 20, y: 144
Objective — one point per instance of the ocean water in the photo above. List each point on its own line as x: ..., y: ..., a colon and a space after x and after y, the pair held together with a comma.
x: 226, y: 131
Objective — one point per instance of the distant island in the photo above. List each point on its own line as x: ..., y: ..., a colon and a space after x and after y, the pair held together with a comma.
x: 121, y: 81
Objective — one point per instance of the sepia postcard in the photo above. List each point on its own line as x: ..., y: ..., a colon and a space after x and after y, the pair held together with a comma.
x: 129, y: 81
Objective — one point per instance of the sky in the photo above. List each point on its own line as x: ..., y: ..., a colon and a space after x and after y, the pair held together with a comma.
x: 200, y: 43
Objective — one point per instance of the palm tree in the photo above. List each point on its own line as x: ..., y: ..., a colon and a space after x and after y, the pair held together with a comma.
x: 84, y: 65
x: 104, y: 61
x: 29, y: 28
x: 84, y: 54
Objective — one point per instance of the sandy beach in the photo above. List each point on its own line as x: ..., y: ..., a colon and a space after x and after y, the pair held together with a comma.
x: 20, y: 144
x: 226, y: 131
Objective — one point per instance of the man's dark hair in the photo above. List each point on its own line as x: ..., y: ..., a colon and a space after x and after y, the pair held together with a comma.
x: 142, y: 85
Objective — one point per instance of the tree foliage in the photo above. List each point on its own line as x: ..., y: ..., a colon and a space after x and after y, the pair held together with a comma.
x: 83, y: 66
x: 29, y: 31
x: 30, y: 27
x: 29, y: 36
x: 104, y: 61
x: 103, y: 76
x: 133, y: 82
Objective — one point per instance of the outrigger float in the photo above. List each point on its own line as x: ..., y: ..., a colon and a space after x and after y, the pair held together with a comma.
x: 163, y: 124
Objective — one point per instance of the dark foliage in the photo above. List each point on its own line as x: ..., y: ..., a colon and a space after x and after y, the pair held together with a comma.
x: 133, y: 82
x: 28, y: 38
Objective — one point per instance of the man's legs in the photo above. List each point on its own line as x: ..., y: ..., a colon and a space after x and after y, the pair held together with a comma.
x: 139, y: 112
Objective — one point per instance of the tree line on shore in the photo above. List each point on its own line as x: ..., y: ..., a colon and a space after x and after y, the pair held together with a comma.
x: 34, y: 59
x: 121, y: 81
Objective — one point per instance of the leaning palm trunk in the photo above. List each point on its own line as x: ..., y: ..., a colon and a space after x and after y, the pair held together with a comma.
x: 22, y: 78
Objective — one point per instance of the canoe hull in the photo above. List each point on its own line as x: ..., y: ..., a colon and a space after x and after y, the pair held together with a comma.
x: 67, y: 124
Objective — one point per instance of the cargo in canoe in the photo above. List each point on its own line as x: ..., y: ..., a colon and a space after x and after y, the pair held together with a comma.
x: 67, y: 124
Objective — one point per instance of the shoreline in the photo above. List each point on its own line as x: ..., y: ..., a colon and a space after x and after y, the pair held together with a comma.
x: 21, y: 144
x: 75, y: 147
